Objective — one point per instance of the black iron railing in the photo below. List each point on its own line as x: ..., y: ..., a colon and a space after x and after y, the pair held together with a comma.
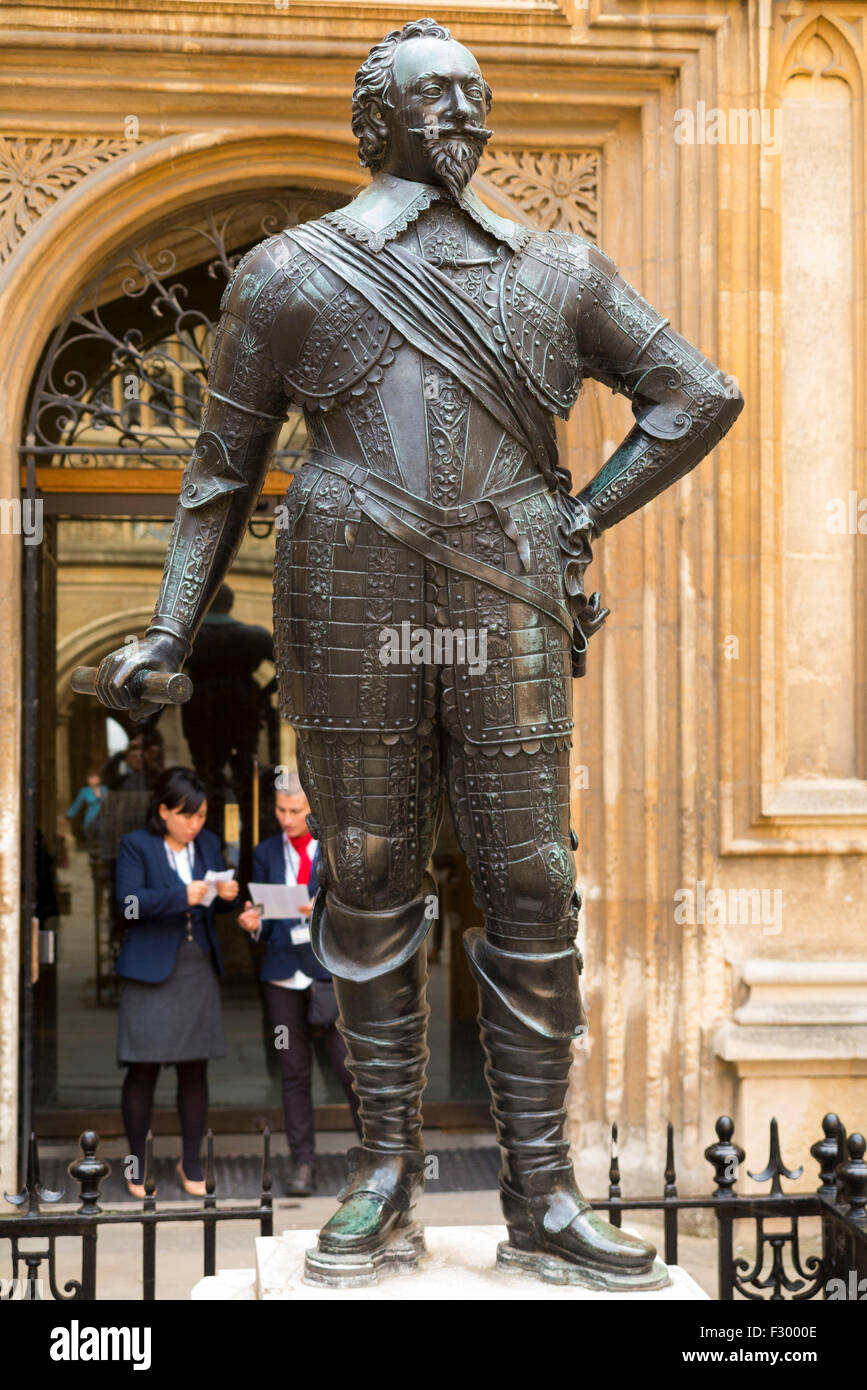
x: 89, y: 1171
x: 839, y: 1202
x: 778, y: 1270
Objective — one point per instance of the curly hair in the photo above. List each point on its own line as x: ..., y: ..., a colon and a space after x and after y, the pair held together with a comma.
x: 372, y: 94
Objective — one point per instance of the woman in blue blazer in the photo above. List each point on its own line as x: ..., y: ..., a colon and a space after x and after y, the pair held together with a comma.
x: 170, y: 963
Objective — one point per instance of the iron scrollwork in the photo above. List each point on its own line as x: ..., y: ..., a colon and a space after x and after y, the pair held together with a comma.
x: 124, y: 377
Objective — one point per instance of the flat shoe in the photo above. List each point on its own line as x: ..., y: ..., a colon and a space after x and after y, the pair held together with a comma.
x: 191, y: 1187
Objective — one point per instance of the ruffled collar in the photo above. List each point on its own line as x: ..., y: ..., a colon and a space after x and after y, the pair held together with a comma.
x: 390, y: 204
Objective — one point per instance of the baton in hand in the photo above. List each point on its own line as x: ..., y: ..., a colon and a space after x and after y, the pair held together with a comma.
x: 153, y: 686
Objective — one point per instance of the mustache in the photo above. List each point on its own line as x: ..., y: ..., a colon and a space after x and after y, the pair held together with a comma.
x: 454, y: 152
x: 431, y: 133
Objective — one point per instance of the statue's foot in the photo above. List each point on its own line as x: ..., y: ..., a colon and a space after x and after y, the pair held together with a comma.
x: 375, y: 1202
x: 361, y: 1225
x: 557, y: 1236
x: 372, y: 1233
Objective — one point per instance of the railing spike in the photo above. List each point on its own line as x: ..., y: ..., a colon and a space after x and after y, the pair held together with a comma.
x: 32, y: 1193
x: 670, y: 1173
x: 614, y: 1165
x: 150, y: 1185
x: 267, y: 1177
x: 614, y: 1189
x: 669, y: 1216
x: 32, y: 1181
x: 210, y: 1174
x: 775, y: 1168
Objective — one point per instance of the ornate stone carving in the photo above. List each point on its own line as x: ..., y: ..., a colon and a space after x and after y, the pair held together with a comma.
x: 557, y: 190
x: 36, y: 171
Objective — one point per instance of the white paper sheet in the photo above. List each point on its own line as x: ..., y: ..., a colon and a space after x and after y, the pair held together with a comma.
x: 278, y: 899
x: 214, y: 876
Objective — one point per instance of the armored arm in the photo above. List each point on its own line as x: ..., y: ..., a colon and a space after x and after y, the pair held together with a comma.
x: 683, y: 404
x: 246, y: 407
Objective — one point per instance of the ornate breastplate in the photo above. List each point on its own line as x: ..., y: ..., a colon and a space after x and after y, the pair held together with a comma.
x: 331, y: 344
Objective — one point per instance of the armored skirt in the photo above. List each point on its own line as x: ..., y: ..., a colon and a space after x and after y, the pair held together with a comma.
x: 332, y: 601
x: 176, y: 1020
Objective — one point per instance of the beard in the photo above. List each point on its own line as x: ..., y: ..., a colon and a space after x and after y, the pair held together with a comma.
x: 454, y: 158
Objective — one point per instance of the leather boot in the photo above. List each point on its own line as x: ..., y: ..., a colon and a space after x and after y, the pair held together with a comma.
x: 530, y: 1011
x: 383, y: 1020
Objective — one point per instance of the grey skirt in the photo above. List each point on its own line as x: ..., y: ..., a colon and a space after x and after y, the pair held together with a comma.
x: 177, y: 1020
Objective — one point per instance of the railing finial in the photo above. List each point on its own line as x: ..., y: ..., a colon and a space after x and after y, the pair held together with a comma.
x: 32, y: 1193
x: 852, y: 1176
x: 825, y: 1153
x: 89, y: 1172
x: 725, y: 1157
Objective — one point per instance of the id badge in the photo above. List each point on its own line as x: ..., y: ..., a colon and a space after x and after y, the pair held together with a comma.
x: 300, y: 935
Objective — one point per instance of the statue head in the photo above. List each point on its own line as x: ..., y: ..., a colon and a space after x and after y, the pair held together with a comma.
x: 419, y: 107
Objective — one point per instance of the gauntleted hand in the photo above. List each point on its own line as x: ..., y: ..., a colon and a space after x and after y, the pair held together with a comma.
x: 117, y: 671
x: 575, y: 530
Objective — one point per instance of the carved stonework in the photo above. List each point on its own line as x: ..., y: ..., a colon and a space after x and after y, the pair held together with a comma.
x: 36, y: 171
x: 555, y: 190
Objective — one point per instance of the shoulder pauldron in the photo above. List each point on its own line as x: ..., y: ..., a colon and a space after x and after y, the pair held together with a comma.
x: 329, y: 343
x: 537, y: 306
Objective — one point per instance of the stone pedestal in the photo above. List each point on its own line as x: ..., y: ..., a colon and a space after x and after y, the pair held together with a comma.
x: 459, y: 1265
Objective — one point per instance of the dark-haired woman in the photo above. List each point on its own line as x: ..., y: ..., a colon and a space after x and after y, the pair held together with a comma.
x: 170, y: 964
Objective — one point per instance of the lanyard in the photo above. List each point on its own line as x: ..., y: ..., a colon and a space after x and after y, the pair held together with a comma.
x: 290, y: 873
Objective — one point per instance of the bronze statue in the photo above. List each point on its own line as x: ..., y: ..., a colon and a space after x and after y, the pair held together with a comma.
x: 430, y: 343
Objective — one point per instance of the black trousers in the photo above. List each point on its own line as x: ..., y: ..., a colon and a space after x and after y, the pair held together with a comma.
x: 288, y: 1009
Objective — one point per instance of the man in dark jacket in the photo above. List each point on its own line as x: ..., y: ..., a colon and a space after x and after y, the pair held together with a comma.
x: 297, y: 988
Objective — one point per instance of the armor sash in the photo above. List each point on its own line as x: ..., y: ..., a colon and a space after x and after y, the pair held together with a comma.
x: 444, y: 323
